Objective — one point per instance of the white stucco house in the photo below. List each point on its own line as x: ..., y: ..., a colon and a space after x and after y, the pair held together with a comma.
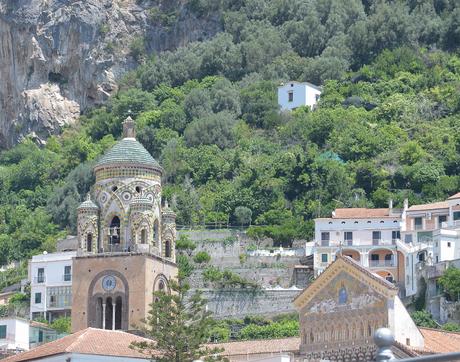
x: 50, y: 278
x: 292, y: 95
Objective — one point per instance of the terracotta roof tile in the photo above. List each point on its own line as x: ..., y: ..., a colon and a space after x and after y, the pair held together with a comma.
x: 456, y: 196
x: 259, y: 346
x: 360, y: 213
x: 432, y: 206
x: 439, y: 341
x: 87, y: 341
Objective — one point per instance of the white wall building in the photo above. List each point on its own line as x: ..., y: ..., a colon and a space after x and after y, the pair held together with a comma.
x: 368, y: 236
x: 390, y: 242
x: 50, y: 278
x: 294, y: 94
x: 14, y: 334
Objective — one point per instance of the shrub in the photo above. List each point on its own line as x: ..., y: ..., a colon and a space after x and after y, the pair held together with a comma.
x: 451, y: 327
x: 62, y: 325
x: 424, y: 319
x: 201, y: 257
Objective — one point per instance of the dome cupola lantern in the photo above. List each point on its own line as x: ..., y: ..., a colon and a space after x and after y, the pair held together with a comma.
x: 129, y: 129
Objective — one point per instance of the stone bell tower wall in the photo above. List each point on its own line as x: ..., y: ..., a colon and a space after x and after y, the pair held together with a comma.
x: 136, y: 277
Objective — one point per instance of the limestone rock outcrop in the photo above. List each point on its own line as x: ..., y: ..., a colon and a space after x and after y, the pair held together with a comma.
x: 59, y: 57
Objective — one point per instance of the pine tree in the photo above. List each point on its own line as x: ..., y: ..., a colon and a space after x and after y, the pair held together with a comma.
x: 179, y: 327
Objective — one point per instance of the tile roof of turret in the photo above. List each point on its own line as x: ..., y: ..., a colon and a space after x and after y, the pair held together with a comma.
x: 88, y: 204
x: 128, y: 150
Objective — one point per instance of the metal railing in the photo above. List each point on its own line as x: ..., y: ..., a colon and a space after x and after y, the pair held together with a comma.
x: 39, y: 279
x: 384, y: 340
x: 382, y: 263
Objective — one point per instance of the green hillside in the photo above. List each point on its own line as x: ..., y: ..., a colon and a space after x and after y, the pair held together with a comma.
x: 387, y: 125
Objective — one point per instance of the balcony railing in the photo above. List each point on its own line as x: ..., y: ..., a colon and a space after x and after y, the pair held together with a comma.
x: 358, y: 242
x: 39, y: 279
x: 60, y: 304
x: 382, y: 263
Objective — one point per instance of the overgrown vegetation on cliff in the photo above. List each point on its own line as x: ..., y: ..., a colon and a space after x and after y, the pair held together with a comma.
x: 387, y: 124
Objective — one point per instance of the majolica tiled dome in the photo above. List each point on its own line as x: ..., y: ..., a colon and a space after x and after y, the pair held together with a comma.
x: 128, y: 150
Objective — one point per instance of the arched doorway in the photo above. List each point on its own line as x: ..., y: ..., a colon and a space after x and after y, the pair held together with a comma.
x: 386, y: 275
x: 118, y: 312
x: 99, y: 313
x: 109, y: 312
x: 353, y: 254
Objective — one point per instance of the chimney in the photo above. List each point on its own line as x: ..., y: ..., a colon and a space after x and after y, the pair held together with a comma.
x: 128, y: 128
x: 406, y: 204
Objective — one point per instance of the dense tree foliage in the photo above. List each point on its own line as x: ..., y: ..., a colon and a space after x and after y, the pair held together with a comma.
x: 450, y: 281
x: 387, y: 125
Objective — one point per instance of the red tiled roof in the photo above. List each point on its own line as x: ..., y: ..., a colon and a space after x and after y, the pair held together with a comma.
x: 432, y: 206
x: 456, y: 196
x: 87, y: 341
x: 260, y: 346
x: 360, y: 213
x: 439, y: 341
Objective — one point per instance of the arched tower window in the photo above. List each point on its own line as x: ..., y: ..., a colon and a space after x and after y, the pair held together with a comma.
x: 156, y: 234
x: 114, y: 231
x: 161, y: 286
x: 143, y: 236
x: 89, y: 242
x: 167, y: 248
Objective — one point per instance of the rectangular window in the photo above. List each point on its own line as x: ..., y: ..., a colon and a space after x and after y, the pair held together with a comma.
x: 324, y: 258
x: 376, y: 237
x: 418, y: 223
x: 375, y: 257
x: 325, y: 238
x: 38, y: 298
x: 441, y: 219
x: 290, y: 96
x: 437, y: 259
x: 408, y: 238
x: 395, y: 235
x: 2, y: 332
x: 41, y: 275
x: 348, y: 237
x: 456, y: 215
x: 67, y: 273
x: 448, y: 244
x: 40, y: 336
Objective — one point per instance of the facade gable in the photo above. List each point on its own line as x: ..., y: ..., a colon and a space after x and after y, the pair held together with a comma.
x: 356, y: 272
x: 344, y: 293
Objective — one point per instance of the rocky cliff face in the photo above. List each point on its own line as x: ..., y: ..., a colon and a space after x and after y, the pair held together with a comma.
x: 59, y: 57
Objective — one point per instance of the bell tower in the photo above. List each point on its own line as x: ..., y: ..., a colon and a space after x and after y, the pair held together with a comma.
x: 126, y: 239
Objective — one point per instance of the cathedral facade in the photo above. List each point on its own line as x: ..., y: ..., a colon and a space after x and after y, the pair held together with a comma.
x: 126, y: 240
